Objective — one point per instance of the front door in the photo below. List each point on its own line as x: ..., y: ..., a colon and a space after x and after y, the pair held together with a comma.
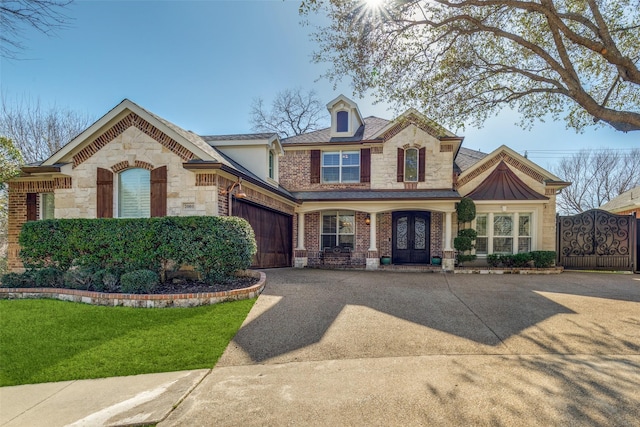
x: 411, y: 231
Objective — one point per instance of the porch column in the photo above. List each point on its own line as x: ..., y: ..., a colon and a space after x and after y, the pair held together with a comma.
x: 448, y: 254
x: 300, y: 258
x: 373, y: 261
x: 447, y: 232
x: 300, y: 232
x: 373, y: 244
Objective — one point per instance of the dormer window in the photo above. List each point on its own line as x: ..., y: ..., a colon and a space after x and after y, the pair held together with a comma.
x: 342, y: 121
x: 272, y: 165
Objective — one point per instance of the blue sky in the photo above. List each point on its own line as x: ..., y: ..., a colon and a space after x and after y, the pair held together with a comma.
x: 199, y: 64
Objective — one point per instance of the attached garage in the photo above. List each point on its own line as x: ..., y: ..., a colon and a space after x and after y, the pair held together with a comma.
x: 273, y: 230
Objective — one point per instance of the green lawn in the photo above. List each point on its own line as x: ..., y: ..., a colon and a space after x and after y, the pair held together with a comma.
x: 49, y: 340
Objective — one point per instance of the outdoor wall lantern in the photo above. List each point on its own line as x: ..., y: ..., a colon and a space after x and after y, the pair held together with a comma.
x: 239, y: 194
x: 367, y: 220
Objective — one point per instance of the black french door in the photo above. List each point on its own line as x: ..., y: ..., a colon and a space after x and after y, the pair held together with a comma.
x: 411, y: 232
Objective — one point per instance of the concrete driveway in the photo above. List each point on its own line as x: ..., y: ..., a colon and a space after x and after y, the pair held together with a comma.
x: 379, y: 348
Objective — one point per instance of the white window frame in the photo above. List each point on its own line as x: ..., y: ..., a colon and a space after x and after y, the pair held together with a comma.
x: 271, y: 165
x: 116, y: 196
x: 340, y: 166
x: 339, y: 232
x: 41, y: 202
x: 515, y: 232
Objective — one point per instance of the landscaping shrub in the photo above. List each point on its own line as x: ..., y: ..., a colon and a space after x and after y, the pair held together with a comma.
x: 78, y: 278
x: 521, y: 260
x: 48, y: 277
x: 18, y: 280
x: 493, y: 260
x: 215, y: 246
x: 466, y: 210
x: 106, y: 280
x: 506, y: 260
x: 543, y: 259
x: 139, y: 282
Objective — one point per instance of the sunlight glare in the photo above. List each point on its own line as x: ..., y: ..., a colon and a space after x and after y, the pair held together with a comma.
x: 374, y: 4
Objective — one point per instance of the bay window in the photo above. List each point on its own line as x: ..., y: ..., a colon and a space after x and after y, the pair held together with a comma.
x: 503, y: 233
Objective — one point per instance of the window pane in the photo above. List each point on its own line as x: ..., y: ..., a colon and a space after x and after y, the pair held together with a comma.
x: 346, y: 241
x: 402, y: 230
x: 328, y: 241
x: 330, y: 159
x: 342, y: 121
x: 411, y: 165
x: 502, y: 225
x: 524, y: 244
x: 134, y: 194
x: 420, y: 230
x: 503, y: 245
x: 329, y: 223
x: 351, y: 174
x: 350, y: 158
x: 346, y: 224
x: 331, y: 174
x: 481, y: 225
x: 524, y: 228
x: 271, y: 164
x: 47, y: 201
x: 481, y: 245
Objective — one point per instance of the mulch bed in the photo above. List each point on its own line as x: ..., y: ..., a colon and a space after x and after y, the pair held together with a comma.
x: 190, y: 286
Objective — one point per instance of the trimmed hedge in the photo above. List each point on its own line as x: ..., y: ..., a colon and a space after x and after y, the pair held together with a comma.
x: 541, y: 259
x: 215, y: 246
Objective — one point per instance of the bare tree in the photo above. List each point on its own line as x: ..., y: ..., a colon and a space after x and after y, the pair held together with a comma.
x: 45, y: 16
x: 461, y: 61
x: 39, y: 132
x: 293, y: 112
x: 597, y: 176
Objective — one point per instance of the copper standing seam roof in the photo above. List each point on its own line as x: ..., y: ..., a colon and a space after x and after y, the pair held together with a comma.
x: 503, y: 184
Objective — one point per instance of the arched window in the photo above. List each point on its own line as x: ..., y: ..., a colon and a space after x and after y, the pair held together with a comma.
x: 342, y: 121
x: 411, y: 165
x: 134, y: 193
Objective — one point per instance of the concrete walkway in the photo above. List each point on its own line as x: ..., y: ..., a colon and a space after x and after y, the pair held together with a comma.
x: 370, y: 348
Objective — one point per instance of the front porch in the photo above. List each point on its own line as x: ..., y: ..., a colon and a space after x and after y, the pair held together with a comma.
x: 357, y: 239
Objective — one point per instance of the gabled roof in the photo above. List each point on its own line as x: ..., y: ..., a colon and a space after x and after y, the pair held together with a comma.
x: 414, y: 117
x: 467, y: 158
x: 515, y: 160
x: 503, y: 184
x: 190, y: 141
x: 628, y: 200
x: 366, y: 132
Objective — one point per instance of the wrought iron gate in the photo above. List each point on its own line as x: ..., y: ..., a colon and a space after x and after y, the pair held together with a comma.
x: 596, y: 240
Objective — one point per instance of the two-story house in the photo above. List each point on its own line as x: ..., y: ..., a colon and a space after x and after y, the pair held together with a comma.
x: 363, y: 188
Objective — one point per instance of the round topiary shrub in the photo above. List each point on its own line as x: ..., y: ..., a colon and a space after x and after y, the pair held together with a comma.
x: 139, y: 282
x: 466, y: 210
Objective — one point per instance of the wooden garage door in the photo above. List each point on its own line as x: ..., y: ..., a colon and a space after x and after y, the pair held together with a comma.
x: 273, y: 234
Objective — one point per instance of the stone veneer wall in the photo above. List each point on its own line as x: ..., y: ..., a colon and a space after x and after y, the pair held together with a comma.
x: 546, y: 211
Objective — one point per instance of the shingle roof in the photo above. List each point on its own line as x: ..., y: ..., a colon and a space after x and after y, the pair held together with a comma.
x: 503, y: 184
x: 375, y: 195
x: 630, y: 199
x: 467, y: 158
x: 372, y: 125
x: 238, y: 137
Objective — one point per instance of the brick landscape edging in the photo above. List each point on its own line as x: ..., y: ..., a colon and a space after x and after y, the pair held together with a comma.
x: 137, y: 300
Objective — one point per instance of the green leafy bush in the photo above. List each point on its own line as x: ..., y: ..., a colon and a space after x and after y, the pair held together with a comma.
x: 18, y: 280
x: 521, y: 260
x: 215, y: 246
x: 463, y: 243
x: 106, y: 280
x: 464, y: 258
x: 48, y: 277
x: 493, y: 260
x: 506, y: 260
x: 543, y: 259
x: 466, y: 210
x: 468, y: 232
x: 78, y: 278
x: 139, y: 282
